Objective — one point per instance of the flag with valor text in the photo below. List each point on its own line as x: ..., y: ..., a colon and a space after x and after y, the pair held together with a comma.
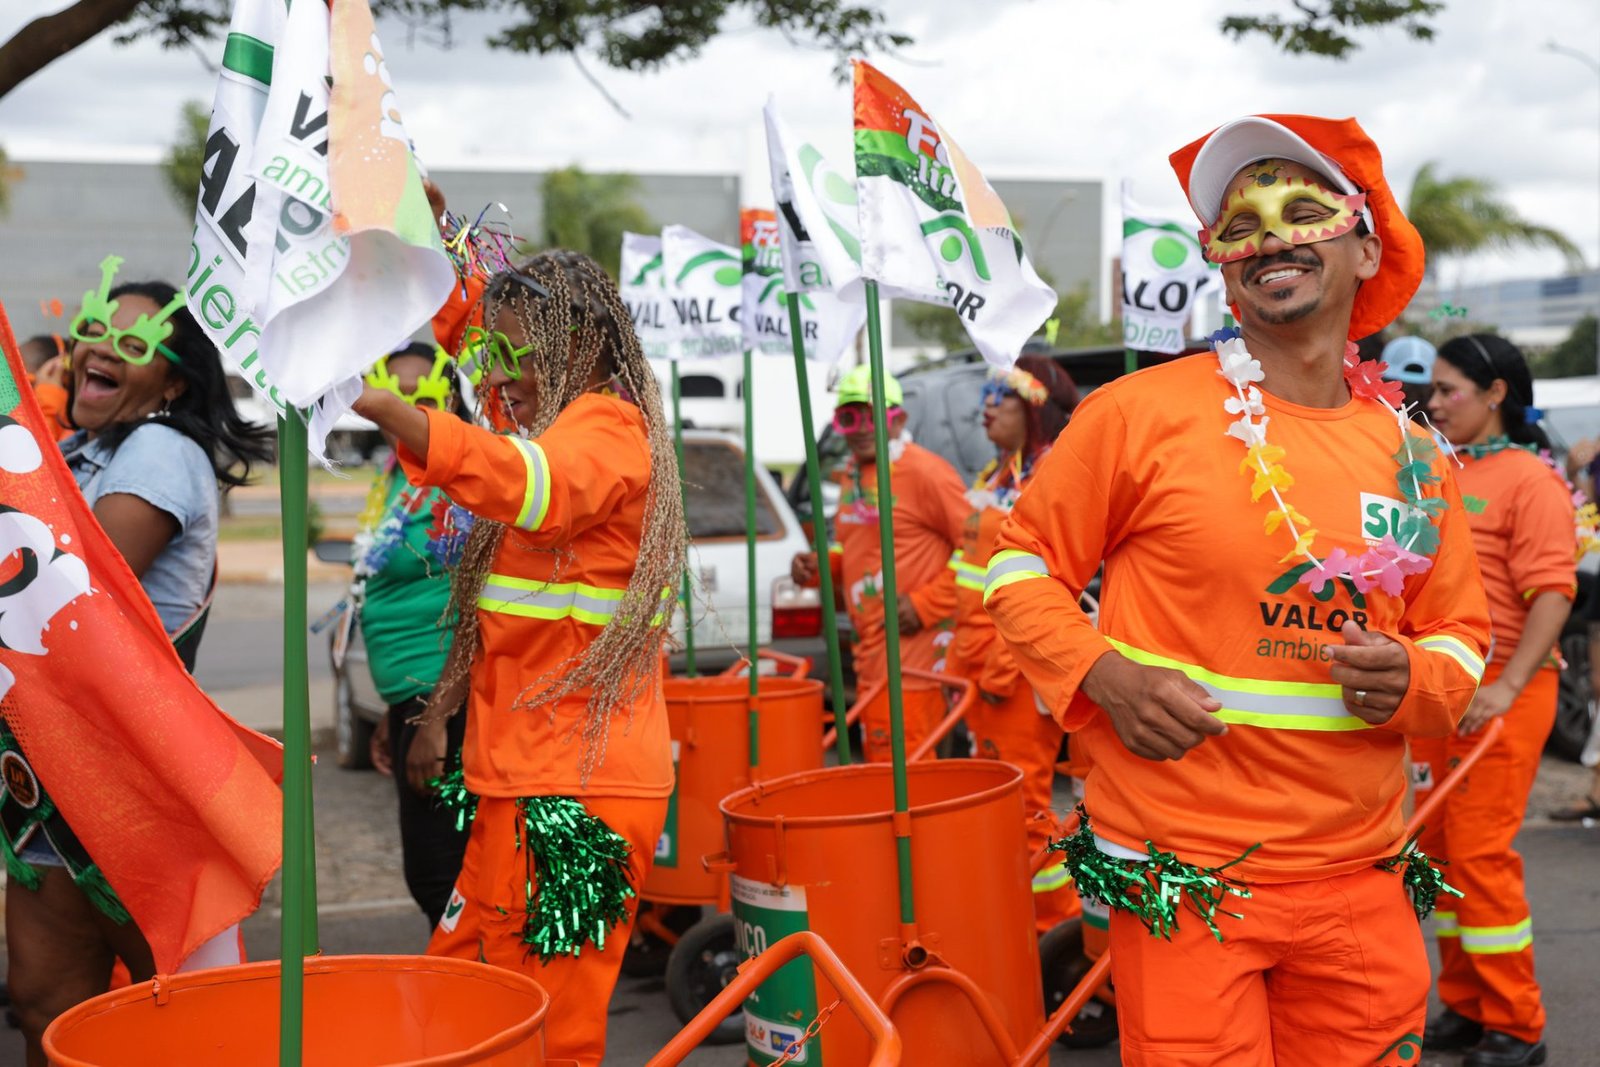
x: 817, y: 244
x: 642, y: 280
x: 828, y: 325
x: 314, y: 249
x: 703, y: 283
x: 175, y: 802
x: 1163, y: 275
x: 933, y: 229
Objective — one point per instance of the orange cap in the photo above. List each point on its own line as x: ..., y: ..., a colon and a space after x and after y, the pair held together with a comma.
x: 1339, y: 148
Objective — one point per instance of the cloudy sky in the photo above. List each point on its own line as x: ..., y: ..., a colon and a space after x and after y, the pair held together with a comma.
x: 1032, y: 88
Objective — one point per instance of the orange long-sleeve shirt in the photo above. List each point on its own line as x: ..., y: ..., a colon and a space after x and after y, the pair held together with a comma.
x: 1146, y: 479
x: 1524, y: 537
x: 573, y: 500
x: 930, y: 510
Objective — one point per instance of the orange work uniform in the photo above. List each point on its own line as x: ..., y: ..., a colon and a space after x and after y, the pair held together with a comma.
x: 1146, y: 479
x: 1525, y: 541
x: 1006, y: 722
x: 53, y: 405
x: 573, y: 501
x: 930, y: 511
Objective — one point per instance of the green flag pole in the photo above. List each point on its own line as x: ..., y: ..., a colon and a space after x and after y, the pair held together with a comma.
x: 298, y: 936
x: 819, y: 531
x: 1130, y: 361
x: 891, y: 602
x: 754, y: 635
x: 688, y: 589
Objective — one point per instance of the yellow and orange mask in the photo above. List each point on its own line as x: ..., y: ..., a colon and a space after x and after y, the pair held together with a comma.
x: 1296, y: 211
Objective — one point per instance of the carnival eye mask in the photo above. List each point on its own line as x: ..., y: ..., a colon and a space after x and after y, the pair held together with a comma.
x: 1292, y: 209
x: 93, y: 322
x: 435, y: 386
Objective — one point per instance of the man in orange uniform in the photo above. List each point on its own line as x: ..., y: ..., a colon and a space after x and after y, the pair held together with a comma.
x: 930, y: 513
x: 579, y: 529
x: 1290, y: 589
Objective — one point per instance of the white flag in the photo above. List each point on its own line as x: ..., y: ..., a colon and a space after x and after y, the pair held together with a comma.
x: 932, y: 228
x: 1163, y: 271
x: 703, y: 290
x: 828, y: 325
x: 642, y: 279
x: 314, y: 249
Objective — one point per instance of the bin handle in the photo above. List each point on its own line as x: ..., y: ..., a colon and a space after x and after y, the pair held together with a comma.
x: 1060, y: 1020
x: 969, y: 696
x: 885, y: 1038
x: 851, y: 717
x: 1426, y: 809
x: 797, y: 666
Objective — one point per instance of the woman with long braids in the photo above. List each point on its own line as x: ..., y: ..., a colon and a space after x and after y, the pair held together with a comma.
x: 1521, y: 515
x: 1024, y: 410
x: 156, y: 436
x: 562, y: 596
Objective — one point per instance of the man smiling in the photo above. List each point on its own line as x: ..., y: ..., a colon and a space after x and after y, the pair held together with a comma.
x: 1264, y: 644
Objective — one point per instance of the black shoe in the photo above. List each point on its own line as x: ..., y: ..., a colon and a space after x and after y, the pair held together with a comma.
x: 1502, y: 1050
x: 1451, y: 1032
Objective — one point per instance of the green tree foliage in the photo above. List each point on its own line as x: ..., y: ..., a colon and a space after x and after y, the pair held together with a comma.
x: 1462, y: 215
x: 625, y: 34
x: 185, y: 159
x: 589, y: 212
x: 1325, y: 28
x: 1573, y: 357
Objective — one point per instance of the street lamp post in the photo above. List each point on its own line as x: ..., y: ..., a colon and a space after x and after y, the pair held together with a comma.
x: 1593, y: 64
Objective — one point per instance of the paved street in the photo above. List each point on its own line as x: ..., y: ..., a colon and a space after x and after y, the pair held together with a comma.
x: 364, y: 906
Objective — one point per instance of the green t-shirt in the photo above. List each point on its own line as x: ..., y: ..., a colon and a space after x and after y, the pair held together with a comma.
x: 400, y: 616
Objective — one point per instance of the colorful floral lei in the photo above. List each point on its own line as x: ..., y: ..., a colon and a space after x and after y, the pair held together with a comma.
x: 1382, y: 566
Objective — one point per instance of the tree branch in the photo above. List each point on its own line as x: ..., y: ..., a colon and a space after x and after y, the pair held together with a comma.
x: 50, y: 37
x: 601, y: 89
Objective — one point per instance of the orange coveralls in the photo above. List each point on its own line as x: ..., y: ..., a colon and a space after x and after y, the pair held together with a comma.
x: 573, y: 501
x: 1010, y: 729
x: 1327, y: 965
x: 930, y: 511
x: 1525, y: 543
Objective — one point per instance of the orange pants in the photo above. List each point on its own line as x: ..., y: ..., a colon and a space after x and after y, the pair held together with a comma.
x: 1014, y: 731
x: 1486, y: 937
x: 483, y: 920
x: 923, y: 709
x: 1331, y: 972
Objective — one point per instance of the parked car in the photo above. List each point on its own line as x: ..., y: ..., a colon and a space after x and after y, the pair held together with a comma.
x: 789, y: 618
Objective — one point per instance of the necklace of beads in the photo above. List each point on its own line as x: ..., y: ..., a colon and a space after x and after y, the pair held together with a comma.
x: 1384, y: 565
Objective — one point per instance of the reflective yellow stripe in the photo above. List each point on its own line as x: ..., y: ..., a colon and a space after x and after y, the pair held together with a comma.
x: 1497, y: 940
x: 1262, y: 703
x: 1457, y: 650
x: 1010, y: 565
x: 968, y: 575
x: 530, y: 599
x: 536, y: 496
x: 1054, y: 877
x: 1446, y: 924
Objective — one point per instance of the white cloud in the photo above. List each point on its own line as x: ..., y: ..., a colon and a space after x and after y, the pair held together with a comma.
x: 1090, y: 88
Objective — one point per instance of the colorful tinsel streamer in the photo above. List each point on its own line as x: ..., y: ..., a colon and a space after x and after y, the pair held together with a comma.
x: 477, y: 250
x: 578, y: 883
x: 1421, y: 874
x: 1152, y: 890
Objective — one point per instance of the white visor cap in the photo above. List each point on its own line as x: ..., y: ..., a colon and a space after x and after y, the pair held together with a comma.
x: 1250, y: 140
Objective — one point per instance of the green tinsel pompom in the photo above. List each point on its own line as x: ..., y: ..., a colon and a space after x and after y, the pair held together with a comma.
x: 1151, y: 890
x: 1422, y: 877
x: 454, y: 795
x: 578, y: 880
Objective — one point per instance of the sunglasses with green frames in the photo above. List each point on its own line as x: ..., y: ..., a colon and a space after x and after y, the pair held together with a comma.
x: 484, y: 350
x: 139, y: 343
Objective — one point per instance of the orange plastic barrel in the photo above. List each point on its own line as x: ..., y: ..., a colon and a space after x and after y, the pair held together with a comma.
x: 816, y: 851
x: 360, y: 1011
x: 710, y: 726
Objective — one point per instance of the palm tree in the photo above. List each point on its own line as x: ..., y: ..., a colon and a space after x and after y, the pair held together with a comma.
x: 1462, y: 215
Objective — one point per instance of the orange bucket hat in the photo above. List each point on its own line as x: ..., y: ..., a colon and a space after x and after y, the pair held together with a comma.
x: 1338, y: 148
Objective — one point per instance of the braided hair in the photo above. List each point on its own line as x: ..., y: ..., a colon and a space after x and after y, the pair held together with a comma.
x: 577, y: 325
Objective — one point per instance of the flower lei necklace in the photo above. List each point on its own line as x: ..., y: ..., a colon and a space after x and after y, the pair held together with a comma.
x: 1585, y: 516
x: 1382, y: 566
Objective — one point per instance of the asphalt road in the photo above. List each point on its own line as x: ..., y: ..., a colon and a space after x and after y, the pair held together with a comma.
x: 364, y: 907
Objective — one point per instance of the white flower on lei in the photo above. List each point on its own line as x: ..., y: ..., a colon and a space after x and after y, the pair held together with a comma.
x: 1250, y: 432
x: 1250, y: 405
x: 1238, y: 366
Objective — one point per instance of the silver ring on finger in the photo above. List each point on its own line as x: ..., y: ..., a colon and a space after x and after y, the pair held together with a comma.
x: 1361, y: 697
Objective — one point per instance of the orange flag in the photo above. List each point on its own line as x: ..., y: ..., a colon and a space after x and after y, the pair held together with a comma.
x: 175, y: 802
